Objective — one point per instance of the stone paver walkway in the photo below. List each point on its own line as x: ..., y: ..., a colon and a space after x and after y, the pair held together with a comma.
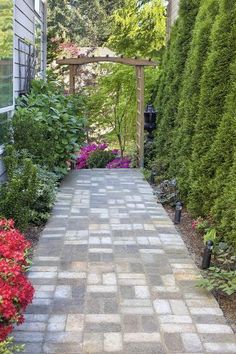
x: 112, y: 275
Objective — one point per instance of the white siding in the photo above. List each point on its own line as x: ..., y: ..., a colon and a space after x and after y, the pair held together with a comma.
x: 24, y: 29
x: 172, y: 14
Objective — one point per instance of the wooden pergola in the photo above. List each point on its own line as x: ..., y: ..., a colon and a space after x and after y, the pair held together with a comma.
x: 139, y: 65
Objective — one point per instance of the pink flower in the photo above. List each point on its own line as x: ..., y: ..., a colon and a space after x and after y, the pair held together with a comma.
x: 119, y: 163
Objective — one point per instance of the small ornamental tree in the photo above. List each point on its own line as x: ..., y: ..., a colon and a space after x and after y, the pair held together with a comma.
x: 215, y: 85
x: 187, y: 109
x: 138, y: 29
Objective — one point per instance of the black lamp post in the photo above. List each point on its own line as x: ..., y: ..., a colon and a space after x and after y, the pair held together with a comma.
x: 206, y: 260
x: 150, y: 116
x: 178, y: 211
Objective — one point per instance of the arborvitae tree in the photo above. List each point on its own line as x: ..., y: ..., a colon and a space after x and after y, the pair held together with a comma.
x: 221, y: 154
x: 225, y: 206
x: 187, y: 111
x: 215, y: 85
x: 179, y: 48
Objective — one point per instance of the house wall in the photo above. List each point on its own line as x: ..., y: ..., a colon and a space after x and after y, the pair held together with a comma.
x: 172, y: 14
x: 25, y: 18
x: 25, y: 22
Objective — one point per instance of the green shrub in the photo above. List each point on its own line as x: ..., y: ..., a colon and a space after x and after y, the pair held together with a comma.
x: 8, y: 347
x: 45, y: 198
x: 29, y: 193
x: 215, y: 85
x: 100, y: 158
x: 18, y: 194
x: 219, y: 279
x: 51, y: 124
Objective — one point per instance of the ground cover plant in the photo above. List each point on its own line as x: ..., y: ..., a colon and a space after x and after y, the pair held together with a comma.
x: 16, y: 292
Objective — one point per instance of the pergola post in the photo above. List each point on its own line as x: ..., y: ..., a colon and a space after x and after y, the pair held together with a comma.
x: 140, y: 114
x: 72, y: 69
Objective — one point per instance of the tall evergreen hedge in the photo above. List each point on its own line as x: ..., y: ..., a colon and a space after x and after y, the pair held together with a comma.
x: 189, y: 97
x: 215, y: 85
x: 225, y: 206
x: 174, y: 68
x: 222, y: 156
x: 196, y: 136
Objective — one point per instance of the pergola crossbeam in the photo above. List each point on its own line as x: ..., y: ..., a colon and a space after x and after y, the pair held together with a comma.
x: 120, y: 60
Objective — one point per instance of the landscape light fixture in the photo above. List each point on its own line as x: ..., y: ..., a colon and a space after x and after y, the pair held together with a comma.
x: 178, y: 211
x: 206, y: 260
x: 150, y: 116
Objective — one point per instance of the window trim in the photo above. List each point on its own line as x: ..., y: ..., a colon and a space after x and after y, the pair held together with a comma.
x: 37, y: 10
x: 12, y: 107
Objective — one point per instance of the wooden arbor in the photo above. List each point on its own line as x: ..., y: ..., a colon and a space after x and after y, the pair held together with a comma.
x: 139, y: 65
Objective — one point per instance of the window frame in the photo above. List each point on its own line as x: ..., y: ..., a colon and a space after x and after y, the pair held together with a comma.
x: 11, y: 108
x: 38, y: 7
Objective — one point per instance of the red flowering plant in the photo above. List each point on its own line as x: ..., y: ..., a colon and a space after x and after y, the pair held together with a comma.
x: 16, y: 292
x: 201, y: 225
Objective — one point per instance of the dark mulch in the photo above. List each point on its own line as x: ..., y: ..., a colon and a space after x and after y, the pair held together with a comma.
x: 194, y: 244
x: 32, y: 234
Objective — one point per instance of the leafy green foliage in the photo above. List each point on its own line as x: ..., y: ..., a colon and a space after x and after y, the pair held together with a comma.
x: 100, y: 158
x: 219, y: 279
x: 8, y: 347
x: 51, y: 124
x: 80, y: 22
x: 138, y: 29
x: 29, y: 193
x: 210, y: 235
x: 111, y: 104
x: 45, y: 197
x: 18, y: 194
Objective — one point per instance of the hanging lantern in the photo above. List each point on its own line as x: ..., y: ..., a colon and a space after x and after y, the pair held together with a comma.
x: 150, y: 116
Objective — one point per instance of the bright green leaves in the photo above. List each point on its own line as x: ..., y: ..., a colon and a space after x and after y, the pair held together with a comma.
x: 140, y: 30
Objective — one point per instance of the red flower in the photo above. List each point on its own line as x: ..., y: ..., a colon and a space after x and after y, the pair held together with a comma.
x: 16, y: 292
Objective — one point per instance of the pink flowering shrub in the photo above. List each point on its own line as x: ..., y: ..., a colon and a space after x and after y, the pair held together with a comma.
x: 86, y: 151
x: 119, y: 163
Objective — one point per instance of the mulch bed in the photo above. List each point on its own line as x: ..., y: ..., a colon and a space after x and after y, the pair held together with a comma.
x: 32, y: 234
x: 194, y: 244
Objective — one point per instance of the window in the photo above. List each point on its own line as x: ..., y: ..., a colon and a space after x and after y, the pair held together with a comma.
x: 6, y: 55
x: 37, y: 6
